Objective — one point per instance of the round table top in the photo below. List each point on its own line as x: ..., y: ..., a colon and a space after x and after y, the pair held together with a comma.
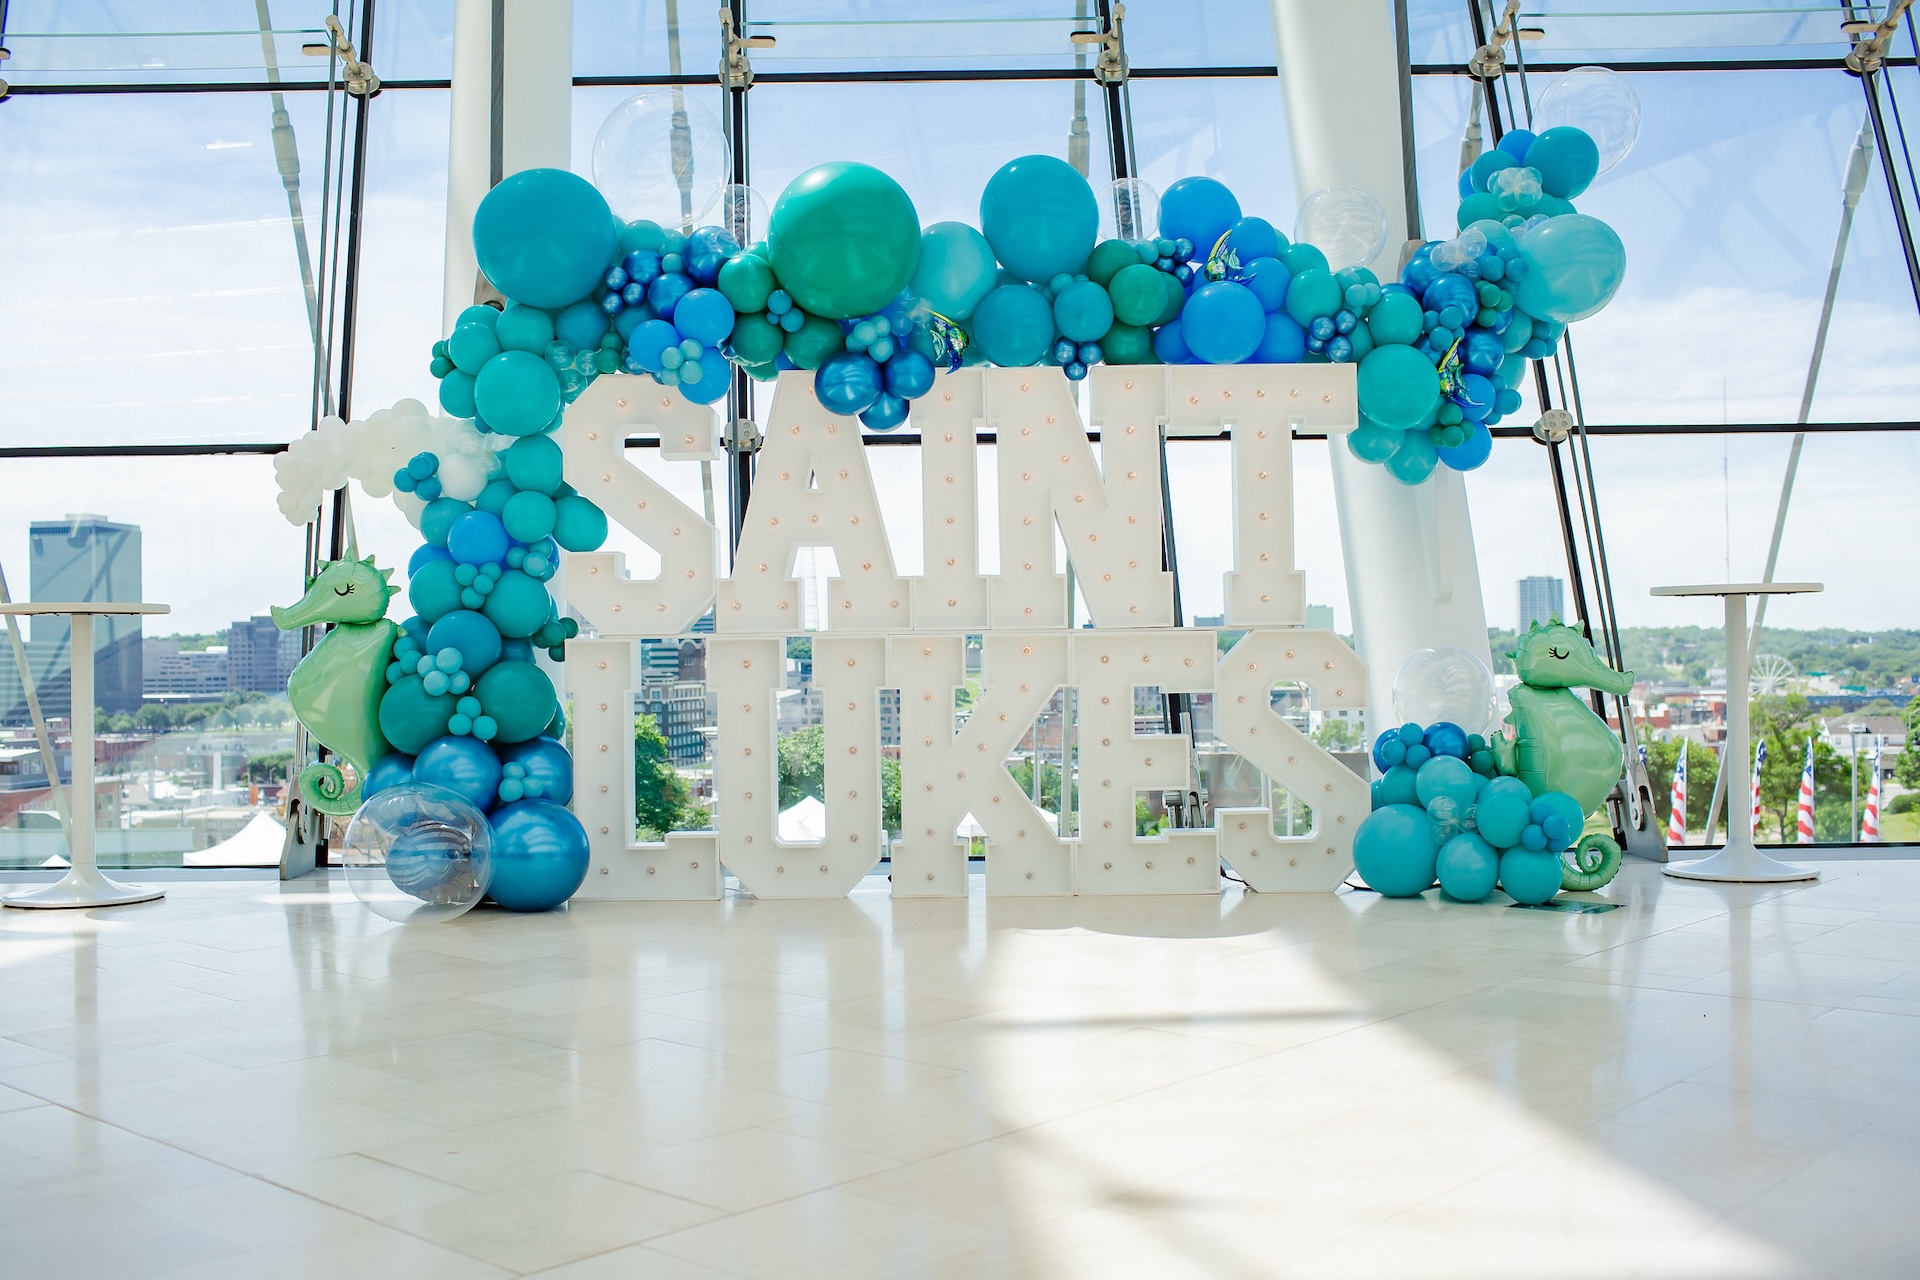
x: 82, y: 606
x: 1742, y: 589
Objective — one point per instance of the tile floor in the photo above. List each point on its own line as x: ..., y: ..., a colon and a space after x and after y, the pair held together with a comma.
x: 259, y: 1080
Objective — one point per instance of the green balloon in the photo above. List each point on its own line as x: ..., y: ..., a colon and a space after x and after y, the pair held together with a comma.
x: 518, y: 696
x: 763, y: 372
x: 845, y: 240
x: 1138, y: 295
x: 518, y: 605
x: 1129, y: 343
x: 755, y: 339
x: 814, y: 341
x: 1110, y: 257
x: 1397, y: 386
x: 747, y: 282
x: 410, y: 717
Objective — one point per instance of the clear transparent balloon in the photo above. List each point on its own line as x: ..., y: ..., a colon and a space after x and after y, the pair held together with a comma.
x: 1130, y: 210
x: 1444, y: 684
x: 740, y: 210
x: 1345, y: 223
x: 416, y: 854
x: 661, y: 155
x: 1598, y: 100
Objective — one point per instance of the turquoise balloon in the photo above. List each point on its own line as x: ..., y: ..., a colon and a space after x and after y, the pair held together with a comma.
x: 1083, y: 312
x: 472, y: 345
x: 518, y: 604
x: 1396, y: 318
x: 1040, y: 216
x: 436, y: 522
x: 1528, y: 877
x: 1567, y: 159
x: 477, y: 639
x: 433, y: 591
x: 956, y: 269
x: 544, y: 237
x: 1575, y: 264
x: 528, y: 516
x: 456, y: 394
x: 845, y: 240
x: 1502, y: 812
x: 1446, y: 779
x: 524, y: 328
x: 1477, y: 207
x: 518, y: 696
x: 1400, y: 785
x: 1370, y: 442
x: 1312, y: 294
x: 1394, y: 851
x: 517, y: 393
x: 410, y: 717
x: 1415, y: 459
x: 1467, y: 868
x: 534, y: 463
x: 578, y: 525
x: 1397, y: 386
x: 1013, y: 325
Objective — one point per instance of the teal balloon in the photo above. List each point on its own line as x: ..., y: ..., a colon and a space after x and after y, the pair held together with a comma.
x: 472, y: 345
x: 581, y: 326
x: 1394, y: 851
x: 578, y: 525
x: 1502, y: 811
x: 517, y: 393
x: 1446, y: 779
x: 1371, y: 442
x: 456, y: 394
x: 1083, y: 312
x: 1013, y: 325
x: 540, y: 855
x: 956, y: 269
x: 1415, y: 459
x: 1396, y: 318
x: 1301, y: 256
x: 544, y: 237
x: 1567, y: 159
x: 1397, y: 386
x: 524, y: 328
x: 1467, y: 868
x: 529, y: 516
x: 1223, y: 322
x: 476, y: 639
x: 1528, y: 877
x: 1313, y: 293
x: 518, y: 604
x: 410, y: 717
x: 534, y: 463
x: 1475, y: 208
x: 1040, y: 216
x: 433, y: 591
x: 1400, y: 785
x: 845, y: 240
x: 436, y: 522
x: 519, y: 697
x: 494, y: 497
x: 1575, y: 264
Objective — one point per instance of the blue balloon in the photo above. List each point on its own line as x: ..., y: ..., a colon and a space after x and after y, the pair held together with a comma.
x: 885, y: 413
x: 909, y: 374
x: 1488, y: 164
x: 1282, y: 341
x: 546, y: 763
x: 956, y: 269
x: 650, y: 341
x: 1567, y: 160
x: 539, y: 855
x: 1170, y: 344
x: 472, y: 634
x: 848, y: 382
x: 1223, y: 322
x: 391, y: 770
x: 463, y: 765
x: 1503, y: 811
x: 1253, y: 238
x: 1040, y: 216
x: 1481, y: 352
x: 1268, y: 278
x: 1393, y: 850
x: 1467, y: 867
x: 424, y: 553
x: 707, y: 251
x: 1444, y: 739
x: 1529, y: 877
x: 1013, y: 326
x: 1475, y: 396
x: 477, y: 537
x: 1472, y: 452
x: 1200, y: 210
x: 1559, y: 817
x: 716, y: 375
x: 544, y: 237
x: 436, y: 522
x: 1575, y: 264
x: 705, y: 316
x: 1516, y: 141
x: 1454, y: 291
x: 665, y: 292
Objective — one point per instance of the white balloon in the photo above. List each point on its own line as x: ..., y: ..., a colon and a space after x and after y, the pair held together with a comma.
x: 1345, y: 223
x: 1447, y: 684
x: 1598, y: 100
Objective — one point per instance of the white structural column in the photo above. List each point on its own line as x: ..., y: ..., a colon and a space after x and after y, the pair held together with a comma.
x: 1413, y: 580
x: 536, y: 115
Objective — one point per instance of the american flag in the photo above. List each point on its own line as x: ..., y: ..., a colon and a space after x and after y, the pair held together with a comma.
x: 1803, y: 814
x: 1759, y: 763
x: 1677, y: 820
x: 1870, y: 821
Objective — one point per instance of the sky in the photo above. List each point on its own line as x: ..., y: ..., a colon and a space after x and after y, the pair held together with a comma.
x: 151, y: 294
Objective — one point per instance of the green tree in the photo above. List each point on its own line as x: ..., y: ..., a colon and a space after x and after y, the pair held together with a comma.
x: 269, y: 767
x: 1022, y: 771
x: 890, y: 795
x: 1906, y: 765
x: 1703, y: 769
x: 662, y: 801
x: 1786, y: 723
x: 803, y: 766
x: 1338, y: 735
x: 1145, y: 821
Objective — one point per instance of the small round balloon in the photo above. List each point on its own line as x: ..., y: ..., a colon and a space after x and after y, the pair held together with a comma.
x: 848, y: 382
x: 1345, y: 223
x: 1129, y: 210
x: 417, y: 854
x: 1444, y: 684
x: 652, y: 144
x: 1599, y: 101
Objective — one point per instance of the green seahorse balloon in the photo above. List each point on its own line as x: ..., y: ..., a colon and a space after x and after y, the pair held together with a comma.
x: 336, y: 689
x: 1558, y: 743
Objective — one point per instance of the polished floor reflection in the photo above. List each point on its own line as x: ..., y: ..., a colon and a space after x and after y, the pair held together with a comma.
x: 251, y: 1079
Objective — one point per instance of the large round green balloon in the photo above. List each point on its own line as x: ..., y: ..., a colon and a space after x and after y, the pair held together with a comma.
x: 845, y: 239
x: 410, y: 717
x: 518, y: 696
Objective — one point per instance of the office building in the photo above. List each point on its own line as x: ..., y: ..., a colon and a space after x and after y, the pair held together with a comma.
x: 1541, y: 598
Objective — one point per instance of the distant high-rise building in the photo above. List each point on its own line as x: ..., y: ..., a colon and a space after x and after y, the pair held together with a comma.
x: 1540, y: 599
x: 175, y: 675
x: 260, y: 656
x: 1320, y: 617
x: 88, y: 557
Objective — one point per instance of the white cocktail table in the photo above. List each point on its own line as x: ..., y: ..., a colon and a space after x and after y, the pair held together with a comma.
x: 83, y: 885
x: 1739, y: 861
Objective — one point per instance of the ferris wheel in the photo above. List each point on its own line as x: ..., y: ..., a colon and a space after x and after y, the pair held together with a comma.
x: 1770, y: 675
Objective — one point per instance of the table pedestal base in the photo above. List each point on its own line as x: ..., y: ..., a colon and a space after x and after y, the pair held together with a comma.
x: 83, y: 888
x: 1741, y: 863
